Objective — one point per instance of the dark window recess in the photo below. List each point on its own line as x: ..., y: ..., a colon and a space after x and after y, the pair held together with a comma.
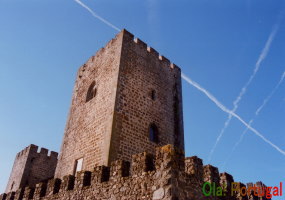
x: 12, y: 186
x: 92, y: 90
x: 153, y: 95
x: 153, y: 133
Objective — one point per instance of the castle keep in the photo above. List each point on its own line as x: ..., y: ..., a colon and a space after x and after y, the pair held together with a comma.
x: 124, y: 136
x: 120, y: 94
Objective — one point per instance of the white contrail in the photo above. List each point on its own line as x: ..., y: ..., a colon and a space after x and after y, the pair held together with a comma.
x: 210, y: 96
x: 261, y: 57
x: 230, y: 112
x: 265, y: 101
x: 97, y: 16
x: 236, y: 145
x: 270, y: 95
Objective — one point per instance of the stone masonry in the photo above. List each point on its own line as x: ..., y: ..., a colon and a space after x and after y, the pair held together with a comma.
x: 133, y: 88
x: 167, y: 175
x: 124, y: 137
x: 31, y: 167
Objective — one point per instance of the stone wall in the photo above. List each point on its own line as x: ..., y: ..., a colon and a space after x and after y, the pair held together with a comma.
x: 118, y: 94
x: 31, y: 167
x: 143, y: 71
x: 89, y: 125
x: 166, y: 176
x: 134, y: 87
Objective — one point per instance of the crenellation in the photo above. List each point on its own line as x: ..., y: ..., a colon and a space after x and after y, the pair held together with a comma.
x: 226, y: 178
x: 141, y: 43
x: 194, y: 167
x: 40, y: 190
x: 29, y: 149
x: 250, y: 184
x: 211, y: 174
x: 53, y: 186
x: 119, y: 168
x: 127, y: 34
x: 44, y: 151
x: 92, y: 58
x: 166, y: 175
x: 3, y: 196
x: 31, y: 166
x: 11, y: 196
x: 141, y: 163
x: 19, y: 194
x: 28, y: 193
x: 83, y: 179
x: 53, y: 155
x: 260, y: 184
x: 153, y: 52
x: 32, y: 148
x: 170, y: 156
x: 226, y: 181
x: 100, y: 174
x: 175, y: 67
x: 68, y: 183
x: 164, y: 60
x: 238, y: 195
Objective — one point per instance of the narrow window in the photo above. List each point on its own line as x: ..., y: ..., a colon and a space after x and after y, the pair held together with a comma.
x: 78, y: 165
x: 91, y: 91
x: 153, y: 94
x: 12, y: 185
x: 153, y: 133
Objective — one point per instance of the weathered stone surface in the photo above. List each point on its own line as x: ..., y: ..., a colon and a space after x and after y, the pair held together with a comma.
x: 121, y: 95
x: 31, y: 167
x: 131, y: 88
x: 158, y: 194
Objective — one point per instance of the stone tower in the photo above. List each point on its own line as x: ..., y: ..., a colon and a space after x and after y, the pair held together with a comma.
x: 31, y: 167
x: 127, y: 99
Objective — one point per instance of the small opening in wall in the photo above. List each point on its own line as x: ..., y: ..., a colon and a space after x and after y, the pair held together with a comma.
x: 78, y: 165
x: 92, y: 90
x: 153, y: 95
x: 12, y: 186
x: 153, y: 133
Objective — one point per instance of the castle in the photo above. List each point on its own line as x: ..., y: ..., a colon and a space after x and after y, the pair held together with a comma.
x: 124, y: 136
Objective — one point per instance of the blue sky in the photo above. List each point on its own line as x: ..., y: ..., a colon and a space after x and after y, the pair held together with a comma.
x: 215, y: 42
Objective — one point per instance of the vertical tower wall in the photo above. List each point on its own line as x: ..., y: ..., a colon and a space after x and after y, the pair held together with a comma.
x: 115, y: 123
x: 89, y: 125
x: 143, y: 71
x: 16, y: 176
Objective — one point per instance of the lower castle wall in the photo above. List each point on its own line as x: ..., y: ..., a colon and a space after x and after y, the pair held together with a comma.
x: 165, y: 176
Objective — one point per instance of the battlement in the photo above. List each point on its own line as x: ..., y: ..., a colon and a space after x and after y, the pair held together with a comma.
x: 31, y: 148
x: 147, y: 176
x: 139, y: 44
x: 34, y: 149
x: 32, y: 165
x: 165, y: 62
